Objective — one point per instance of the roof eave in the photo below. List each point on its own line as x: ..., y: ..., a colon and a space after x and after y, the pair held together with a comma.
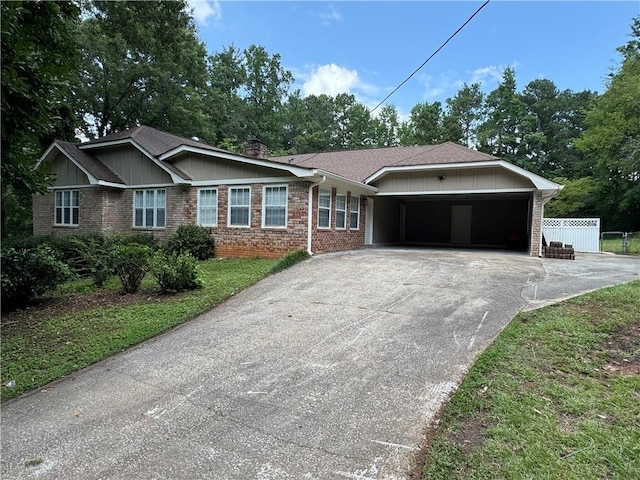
x: 348, y: 183
x: 539, y: 182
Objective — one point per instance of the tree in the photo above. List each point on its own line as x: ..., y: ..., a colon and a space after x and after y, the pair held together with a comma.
x: 465, y: 108
x: 612, y: 140
x: 224, y: 105
x: 142, y: 63
x: 576, y: 199
x: 385, y: 127
x: 38, y: 63
x: 552, y: 122
x: 424, y: 126
x: 352, y: 123
x: 500, y: 134
x: 308, y: 123
x: 266, y: 85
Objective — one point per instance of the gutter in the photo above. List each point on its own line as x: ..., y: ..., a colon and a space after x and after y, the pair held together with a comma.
x: 310, y: 213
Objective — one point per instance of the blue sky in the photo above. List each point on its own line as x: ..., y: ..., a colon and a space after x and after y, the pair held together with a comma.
x: 368, y: 47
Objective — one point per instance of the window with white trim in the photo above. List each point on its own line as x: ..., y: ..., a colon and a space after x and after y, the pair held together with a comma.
x: 149, y: 208
x: 341, y: 211
x: 324, y: 209
x: 354, y: 212
x: 274, y: 206
x: 239, y: 207
x: 208, y: 207
x: 67, y: 210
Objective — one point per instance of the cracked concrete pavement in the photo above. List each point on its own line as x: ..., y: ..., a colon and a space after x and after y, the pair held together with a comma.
x: 331, y: 369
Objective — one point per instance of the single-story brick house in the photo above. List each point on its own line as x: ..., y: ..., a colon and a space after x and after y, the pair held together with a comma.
x: 147, y: 180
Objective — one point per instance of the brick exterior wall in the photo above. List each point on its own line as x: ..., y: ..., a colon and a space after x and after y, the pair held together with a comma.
x: 258, y: 241
x: 326, y: 240
x: 110, y: 210
x: 537, y: 211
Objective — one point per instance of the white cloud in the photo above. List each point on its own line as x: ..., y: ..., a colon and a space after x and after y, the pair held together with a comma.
x: 331, y: 80
x: 204, y: 10
x: 490, y: 74
x: 435, y: 87
x: 331, y: 16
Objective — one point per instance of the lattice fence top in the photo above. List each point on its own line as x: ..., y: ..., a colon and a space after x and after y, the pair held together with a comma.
x: 571, y: 222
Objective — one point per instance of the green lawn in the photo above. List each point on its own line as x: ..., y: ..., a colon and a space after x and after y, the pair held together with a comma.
x: 616, y: 245
x: 557, y: 396
x: 39, y: 349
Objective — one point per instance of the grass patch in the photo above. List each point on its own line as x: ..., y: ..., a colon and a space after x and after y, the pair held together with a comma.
x: 615, y: 245
x: 40, y: 348
x: 557, y: 395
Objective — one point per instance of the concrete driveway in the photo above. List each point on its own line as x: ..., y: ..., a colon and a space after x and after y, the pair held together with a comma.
x: 331, y: 369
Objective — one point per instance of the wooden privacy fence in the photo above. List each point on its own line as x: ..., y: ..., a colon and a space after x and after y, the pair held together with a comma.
x: 582, y: 233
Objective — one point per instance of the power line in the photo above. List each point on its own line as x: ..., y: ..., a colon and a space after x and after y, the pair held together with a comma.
x: 431, y: 56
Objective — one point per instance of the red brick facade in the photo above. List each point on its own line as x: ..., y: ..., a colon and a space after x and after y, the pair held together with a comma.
x: 331, y: 239
x: 110, y: 210
x: 257, y: 241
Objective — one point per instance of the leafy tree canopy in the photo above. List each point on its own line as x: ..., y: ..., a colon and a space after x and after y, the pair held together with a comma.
x: 611, y: 139
x: 38, y: 63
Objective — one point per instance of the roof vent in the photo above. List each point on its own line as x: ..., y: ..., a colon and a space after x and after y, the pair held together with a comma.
x: 195, y: 138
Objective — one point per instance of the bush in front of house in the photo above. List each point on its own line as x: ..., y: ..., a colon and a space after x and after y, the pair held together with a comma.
x: 140, y: 238
x: 130, y: 263
x: 192, y: 239
x: 28, y: 273
x: 81, y: 252
x: 175, y: 273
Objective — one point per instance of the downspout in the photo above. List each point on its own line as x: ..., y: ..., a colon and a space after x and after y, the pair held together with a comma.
x: 310, y: 213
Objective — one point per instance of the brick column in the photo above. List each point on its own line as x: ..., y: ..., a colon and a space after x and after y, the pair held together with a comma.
x: 536, y: 224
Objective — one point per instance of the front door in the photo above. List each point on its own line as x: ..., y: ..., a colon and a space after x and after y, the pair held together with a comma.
x: 461, y: 224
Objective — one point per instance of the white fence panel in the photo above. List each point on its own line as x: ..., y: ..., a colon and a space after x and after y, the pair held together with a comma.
x: 582, y: 233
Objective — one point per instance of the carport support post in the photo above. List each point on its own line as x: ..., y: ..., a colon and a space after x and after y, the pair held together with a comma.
x: 536, y: 224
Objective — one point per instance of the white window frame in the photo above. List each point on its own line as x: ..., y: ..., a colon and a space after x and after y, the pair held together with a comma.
x: 155, y: 207
x: 214, y: 207
x: 265, y: 206
x: 356, y: 212
x: 343, y: 211
x: 229, y: 207
x: 73, y: 208
x: 321, y: 193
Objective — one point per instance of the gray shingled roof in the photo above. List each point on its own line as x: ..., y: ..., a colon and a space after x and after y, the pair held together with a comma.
x: 154, y: 141
x: 90, y: 163
x: 359, y: 165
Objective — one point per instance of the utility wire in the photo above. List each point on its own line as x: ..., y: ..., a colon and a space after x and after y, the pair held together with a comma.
x: 431, y: 56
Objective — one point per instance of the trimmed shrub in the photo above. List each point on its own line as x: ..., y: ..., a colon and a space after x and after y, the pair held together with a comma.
x: 130, y: 263
x: 192, y: 239
x: 78, y: 251
x: 134, y: 238
x: 176, y: 273
x: 28, y: 273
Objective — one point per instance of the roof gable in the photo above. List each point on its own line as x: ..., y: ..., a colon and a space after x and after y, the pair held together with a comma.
x: 95, y: 170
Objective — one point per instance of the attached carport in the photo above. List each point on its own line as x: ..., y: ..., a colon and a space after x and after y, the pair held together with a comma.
x: 485, y: 204
x: 500, y: 221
